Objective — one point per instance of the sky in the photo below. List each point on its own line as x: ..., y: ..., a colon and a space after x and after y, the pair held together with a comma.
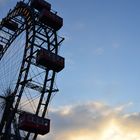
x: 99, y: 87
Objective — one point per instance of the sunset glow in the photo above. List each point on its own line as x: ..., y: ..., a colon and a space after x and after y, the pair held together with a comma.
x: 111, y: 132
x: 97, y: 123
x: 81, y: 138
x: 115, y: 132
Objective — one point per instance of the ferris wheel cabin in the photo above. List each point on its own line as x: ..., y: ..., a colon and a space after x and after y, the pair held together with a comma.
x: 34, y: 124
x: 41, y: 4
x: 51, y: 19
x: 11, y: 25
x: 46, y: 16
x: 50, y: 60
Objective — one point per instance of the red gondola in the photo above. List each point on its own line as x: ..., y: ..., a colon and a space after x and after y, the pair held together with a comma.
x: 34, y: 124
x: 41, y: 4
x: 51, y: 19
x: 11, y: 25
x: 50, y: 60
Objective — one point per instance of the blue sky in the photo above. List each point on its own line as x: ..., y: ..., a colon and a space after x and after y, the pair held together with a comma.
x: 102, y: 52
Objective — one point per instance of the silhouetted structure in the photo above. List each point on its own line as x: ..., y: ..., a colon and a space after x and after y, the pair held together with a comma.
x: 40, y: 58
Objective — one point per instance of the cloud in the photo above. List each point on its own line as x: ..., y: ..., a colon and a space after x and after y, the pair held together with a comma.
x: 93, y: 120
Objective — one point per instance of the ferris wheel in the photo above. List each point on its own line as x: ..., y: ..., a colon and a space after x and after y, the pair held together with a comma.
x: 29, y: 62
